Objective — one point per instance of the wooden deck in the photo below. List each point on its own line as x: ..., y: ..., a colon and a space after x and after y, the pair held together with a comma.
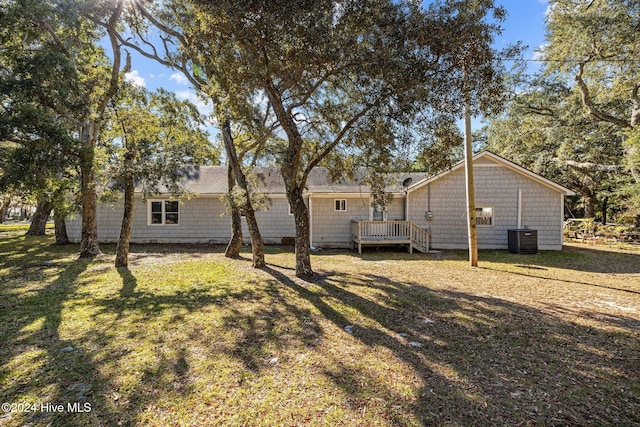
x: 377, y: 233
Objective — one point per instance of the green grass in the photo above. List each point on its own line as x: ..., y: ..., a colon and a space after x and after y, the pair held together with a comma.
x: 15, y: 227
x: 187, y: 337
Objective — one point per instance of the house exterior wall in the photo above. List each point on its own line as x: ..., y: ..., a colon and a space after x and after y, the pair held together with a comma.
x: 275, y: 223
x: 496, y: 186
x: 332, y: 228
x: 395, y: 210
x: 201, y: 220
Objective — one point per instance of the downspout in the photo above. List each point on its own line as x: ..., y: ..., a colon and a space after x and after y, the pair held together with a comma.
x: 561, y: 220
x: 311, y: 221
x: 406, y: 206
x: 519, y: 209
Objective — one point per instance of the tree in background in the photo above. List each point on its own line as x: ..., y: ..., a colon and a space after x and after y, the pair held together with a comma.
x: 596, y: 44
x: 575, y: 122
x: 70, y: 77
x: 155, y: 138
x: 545, y: 129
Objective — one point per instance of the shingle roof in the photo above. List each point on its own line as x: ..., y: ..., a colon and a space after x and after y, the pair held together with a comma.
x: 213, y: 180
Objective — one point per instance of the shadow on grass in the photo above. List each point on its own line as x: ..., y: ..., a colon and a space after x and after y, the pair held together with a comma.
x: 129, y: 282
x: 565, y: 281
x: 39, y: 363
x: 258, y: 321
x: 477, y: 360
x: 572, y: 257
x: 481, y: 360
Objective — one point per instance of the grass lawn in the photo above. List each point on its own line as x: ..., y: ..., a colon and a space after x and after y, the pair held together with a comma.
x: 186, y: 337
x: 16, y: 226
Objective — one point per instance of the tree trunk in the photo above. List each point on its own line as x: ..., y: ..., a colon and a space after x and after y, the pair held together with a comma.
x: 632, y: 149
x: 302, y: 244
x: 4, y: 206
x: 257, y: 246
x: 589, y: 205
x: 235, y: 244
x: 605, y: 204
x: 122, y: 249
x: 89, y: 236
x: 290, y: 175
x: 61, y: 230
x: 38, y: 225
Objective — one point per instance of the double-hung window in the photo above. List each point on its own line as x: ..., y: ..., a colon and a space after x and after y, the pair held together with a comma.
x: 163, y: 212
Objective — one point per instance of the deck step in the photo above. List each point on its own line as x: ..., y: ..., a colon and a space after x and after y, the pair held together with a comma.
x: 420, y: 248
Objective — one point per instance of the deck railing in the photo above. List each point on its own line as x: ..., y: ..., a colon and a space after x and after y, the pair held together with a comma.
x: 381, y: 230
x: 389, y: 232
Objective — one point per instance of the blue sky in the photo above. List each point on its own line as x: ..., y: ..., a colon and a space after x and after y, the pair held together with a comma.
x: 525, y: 22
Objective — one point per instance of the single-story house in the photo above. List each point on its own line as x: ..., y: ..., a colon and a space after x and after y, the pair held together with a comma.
x: 429, y: 210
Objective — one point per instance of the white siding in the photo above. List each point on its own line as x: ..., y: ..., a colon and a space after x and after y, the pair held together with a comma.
x: 274, y: 223
x: 496, y: 186
x: 333, y: 228
x: 202, y: 220
x: 395, y: 210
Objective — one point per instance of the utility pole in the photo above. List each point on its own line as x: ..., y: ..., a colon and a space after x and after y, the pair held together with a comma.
x: 471, y: 192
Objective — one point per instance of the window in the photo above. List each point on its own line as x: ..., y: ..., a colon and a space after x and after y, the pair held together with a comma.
x: 163, y: 212
x: 378, y: 214
x: 156, y: 212
x: 290, y: 211
x: 484, y: 216
x: 340, y: 205
x: 170, y: 212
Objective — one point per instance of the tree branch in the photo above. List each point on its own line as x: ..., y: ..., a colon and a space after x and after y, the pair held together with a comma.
x: 588, y: 102
x: 47, y: 27
x: 346, y: 128
x: 140, y: 7
x: 589, y: 166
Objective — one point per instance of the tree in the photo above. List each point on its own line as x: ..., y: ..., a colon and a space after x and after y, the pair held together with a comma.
x: 35, y: 139
x: 155, y: 137
x: 329, y: 68
x: 5, y: 203
x: 596, y: 43
x: 176, y: 51
x: 545, y: 129
x: 60, y: 44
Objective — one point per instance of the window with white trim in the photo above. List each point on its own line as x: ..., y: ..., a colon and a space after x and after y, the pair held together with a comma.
x: 340, y: 205
x: 484, y: 216
x: 378, y: 213
x: 163, y: 212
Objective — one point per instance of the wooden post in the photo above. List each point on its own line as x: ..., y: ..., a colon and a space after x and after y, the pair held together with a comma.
x: 410, y: 239
x: 468, y: 168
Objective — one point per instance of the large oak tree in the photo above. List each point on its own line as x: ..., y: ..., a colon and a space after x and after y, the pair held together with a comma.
x: 330, y: 68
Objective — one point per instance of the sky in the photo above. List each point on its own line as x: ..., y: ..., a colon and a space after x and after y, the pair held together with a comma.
x: 525, y: 22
